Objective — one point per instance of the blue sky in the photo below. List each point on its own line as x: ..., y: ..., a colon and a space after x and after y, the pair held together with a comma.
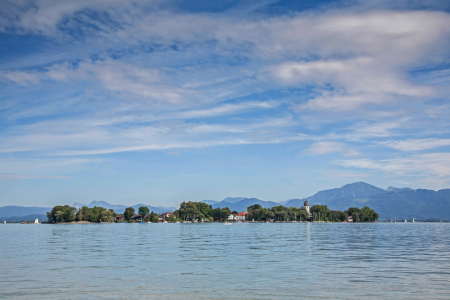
x: 160, y: 102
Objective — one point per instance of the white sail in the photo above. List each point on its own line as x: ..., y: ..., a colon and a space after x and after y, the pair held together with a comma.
x: 36, y: 221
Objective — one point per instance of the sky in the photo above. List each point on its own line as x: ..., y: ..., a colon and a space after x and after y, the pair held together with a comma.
x: 160, y: 102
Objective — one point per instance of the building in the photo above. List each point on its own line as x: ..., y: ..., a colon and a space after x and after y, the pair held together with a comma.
x: 306, y: 205
x: 240, y: 216
x: 166, y: 215
x: 231, y: 217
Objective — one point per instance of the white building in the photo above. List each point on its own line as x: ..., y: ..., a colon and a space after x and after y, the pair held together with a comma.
x: 239, y: 217
x: 231, y: 217
x: 306, y: 205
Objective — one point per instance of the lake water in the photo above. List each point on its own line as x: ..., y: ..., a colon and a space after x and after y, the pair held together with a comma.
x: 212, y: 261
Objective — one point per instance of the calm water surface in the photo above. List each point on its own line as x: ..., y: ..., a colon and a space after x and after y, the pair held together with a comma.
x: 241, y: 261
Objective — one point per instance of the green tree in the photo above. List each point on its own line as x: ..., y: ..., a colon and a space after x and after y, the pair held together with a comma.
x: 355, y: 217
x: 61, y: 213
x: 154, y: 218
x: 129, y: 213
x: 320, y: 212
x: 143, y: 211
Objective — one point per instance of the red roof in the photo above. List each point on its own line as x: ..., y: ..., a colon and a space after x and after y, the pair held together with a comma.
x: 241, y: 214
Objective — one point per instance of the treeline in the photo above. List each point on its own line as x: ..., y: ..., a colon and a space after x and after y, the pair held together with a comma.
x: 190, y: 211
x: 66, y: 213
x: 277, y: 213
x: 364, y: 214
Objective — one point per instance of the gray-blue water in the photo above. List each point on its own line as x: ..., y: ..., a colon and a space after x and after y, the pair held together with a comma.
x: 241, y: 261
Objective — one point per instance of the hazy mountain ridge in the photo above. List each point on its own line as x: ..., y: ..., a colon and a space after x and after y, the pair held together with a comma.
x: 391, y: 203
x: 394, y: 189
x: 31, y: 217
x: 18, y: 211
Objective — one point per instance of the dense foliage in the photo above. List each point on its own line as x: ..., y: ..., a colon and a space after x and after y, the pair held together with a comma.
x: 143, y: 210
x: 95, y: 214
x: 362, y: 215
x: 199, y: 210
x: 322, y: 213
x: 61, y: 213
x: 278, y: 213
x: 129, y: 213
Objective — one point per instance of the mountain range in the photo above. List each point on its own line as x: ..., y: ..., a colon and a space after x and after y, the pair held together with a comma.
x: 392, y: 203
x: 19, y: 213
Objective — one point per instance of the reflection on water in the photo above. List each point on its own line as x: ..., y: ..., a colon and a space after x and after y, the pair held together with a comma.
x: 256, y: 261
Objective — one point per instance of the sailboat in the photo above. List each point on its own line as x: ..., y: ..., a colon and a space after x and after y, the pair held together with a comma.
x: 36, y: 221
x: 4, y: 222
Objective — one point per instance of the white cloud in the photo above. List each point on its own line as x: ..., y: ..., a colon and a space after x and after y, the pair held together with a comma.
x: 19, y: 77
x: 22, y: 176
x: 416, y: 145
x: 321, y: 148
x: 431, y: 164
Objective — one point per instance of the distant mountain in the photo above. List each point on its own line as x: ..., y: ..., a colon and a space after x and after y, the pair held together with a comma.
x: 285, y: 201
x: 210, y: 202
x: 355, y: 190
x: 120, y: 209
x: 392, y: 203
x: 78, y: 205
x: 408, y: 204
x: 242, y: 204
x: 11, y: 210
x: 294, y: 203
x: 396, y: 190
x: 25, y: 218
x: 233, y: 199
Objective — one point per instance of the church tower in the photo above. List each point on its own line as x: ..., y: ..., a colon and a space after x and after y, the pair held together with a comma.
x: 306, y: 205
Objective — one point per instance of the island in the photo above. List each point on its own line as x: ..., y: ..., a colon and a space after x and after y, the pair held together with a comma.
x: 194, y: 212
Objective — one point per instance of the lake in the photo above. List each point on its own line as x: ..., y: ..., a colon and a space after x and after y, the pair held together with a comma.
x: 212, y: 261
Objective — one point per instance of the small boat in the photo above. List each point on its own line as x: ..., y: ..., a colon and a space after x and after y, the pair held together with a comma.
x: 36, y: 221
x: 4, y: 222
x: 149, y: 222
x: 406, y: 221
x: 142, y: 222
x: 227, y: 223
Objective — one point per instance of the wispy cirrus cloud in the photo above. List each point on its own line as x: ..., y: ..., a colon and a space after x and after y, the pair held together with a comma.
x: 416, y: 144
x: 326, y: 147
x: 431, y: 164
x: 23, y: 176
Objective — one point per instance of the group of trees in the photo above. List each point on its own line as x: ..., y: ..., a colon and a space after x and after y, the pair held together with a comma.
x: 60, y: 214
x: 95, y: 214
x: 201, y: 211
x: 365, y: 214
x: 278, y: 213
x: 322, y: 213
x: 66, y: 213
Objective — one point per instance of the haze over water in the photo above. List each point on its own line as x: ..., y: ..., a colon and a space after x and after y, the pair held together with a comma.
x: 241, y: 261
